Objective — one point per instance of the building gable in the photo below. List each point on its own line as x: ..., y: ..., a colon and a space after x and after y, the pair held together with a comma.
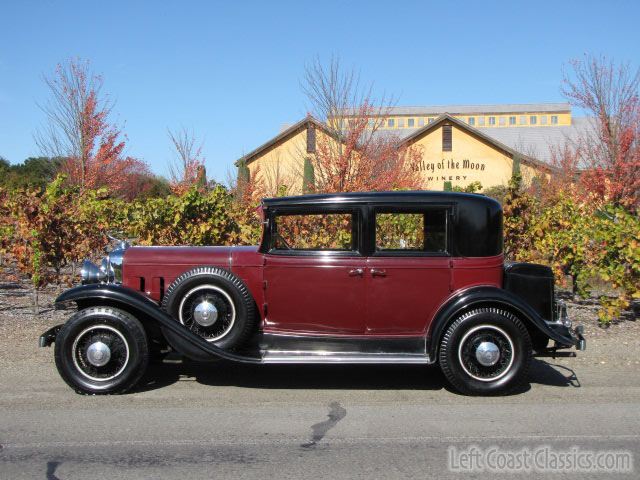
x: 451, y: 151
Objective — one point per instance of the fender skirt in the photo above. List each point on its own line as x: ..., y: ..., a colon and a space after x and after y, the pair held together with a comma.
x: 116, y: 295
x: 498, y: 298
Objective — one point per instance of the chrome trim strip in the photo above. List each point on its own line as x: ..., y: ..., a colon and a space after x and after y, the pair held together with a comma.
x: 343, y: 358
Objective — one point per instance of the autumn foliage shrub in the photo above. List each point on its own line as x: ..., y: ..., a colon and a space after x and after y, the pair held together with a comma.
x: 578, y: 239
x: 45, y: 231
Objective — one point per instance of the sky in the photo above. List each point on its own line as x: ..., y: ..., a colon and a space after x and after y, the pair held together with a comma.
x: 231, y: 71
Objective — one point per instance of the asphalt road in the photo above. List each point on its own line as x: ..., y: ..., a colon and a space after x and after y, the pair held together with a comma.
x: 233, y: 421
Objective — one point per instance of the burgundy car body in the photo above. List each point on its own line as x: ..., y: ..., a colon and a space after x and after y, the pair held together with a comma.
x: 352, y: 305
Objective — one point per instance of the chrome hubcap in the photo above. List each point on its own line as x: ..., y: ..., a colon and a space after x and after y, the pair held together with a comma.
x: 98, y: 354
x: 208, y: 311
x: 205, y: 314
x: 487, y: 354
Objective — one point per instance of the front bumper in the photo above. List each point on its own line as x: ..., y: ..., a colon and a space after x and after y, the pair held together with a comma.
x: 48, y: 337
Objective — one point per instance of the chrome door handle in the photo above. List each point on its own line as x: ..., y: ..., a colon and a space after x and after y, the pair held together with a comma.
x: 378, y: 273
x: 355, y: 272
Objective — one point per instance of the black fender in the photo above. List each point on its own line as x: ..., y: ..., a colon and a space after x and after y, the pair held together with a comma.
x: 134, y: 302
x: 488, y: 297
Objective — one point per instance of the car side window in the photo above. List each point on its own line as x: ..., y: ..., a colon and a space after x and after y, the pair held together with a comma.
x: 313, y: 232
x: 422, y: 232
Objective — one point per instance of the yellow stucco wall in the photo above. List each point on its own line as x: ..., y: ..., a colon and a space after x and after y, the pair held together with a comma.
x: 470, y: 160
x: 283, y: 163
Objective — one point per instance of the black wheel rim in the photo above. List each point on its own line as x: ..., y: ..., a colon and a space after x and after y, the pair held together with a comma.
x: 226, y: 312
x: 118, y: 348
x: 469, y: 346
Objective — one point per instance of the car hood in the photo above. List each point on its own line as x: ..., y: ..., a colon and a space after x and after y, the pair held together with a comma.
x: 222, y: 256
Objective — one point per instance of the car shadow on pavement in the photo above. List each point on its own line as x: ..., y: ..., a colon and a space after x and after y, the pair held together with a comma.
x: 308, y: 377
x: 330, y: 377
x: 552, y: 374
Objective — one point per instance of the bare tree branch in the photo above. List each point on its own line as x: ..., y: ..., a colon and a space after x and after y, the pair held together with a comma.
x: 187, y: 166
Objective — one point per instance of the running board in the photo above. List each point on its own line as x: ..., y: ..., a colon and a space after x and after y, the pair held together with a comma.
x: 342, y: 357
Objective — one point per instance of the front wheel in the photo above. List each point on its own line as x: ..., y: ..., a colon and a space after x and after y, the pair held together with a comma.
x: 101, y: 350
x: 486, y: 351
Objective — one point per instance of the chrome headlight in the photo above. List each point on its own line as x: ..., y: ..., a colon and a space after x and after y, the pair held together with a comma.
x: 110, y: 269
x: 92, y: 273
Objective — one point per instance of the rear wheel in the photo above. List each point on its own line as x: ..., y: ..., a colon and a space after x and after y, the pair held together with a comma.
x: 101, y: 350
x: 486, y: 351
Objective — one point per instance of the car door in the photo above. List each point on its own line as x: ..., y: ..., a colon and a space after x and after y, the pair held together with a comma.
x: 314, y: 273
x: 409, y: 272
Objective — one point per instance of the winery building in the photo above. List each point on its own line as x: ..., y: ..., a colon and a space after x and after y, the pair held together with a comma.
x: 459, y: 144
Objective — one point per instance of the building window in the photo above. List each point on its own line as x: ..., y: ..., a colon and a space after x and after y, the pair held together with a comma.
x: 421, y: 122
x: 512, y: 120
x: 554, y: 119
x: 343, y: 124
x: 533, y: 120
x: 502, y: 121
x: 481, y: 121
x: 391, y: 123
x: 311, y: 140
x: 352, y: 123
x: 543, y: 120
x: 371, y: 123
x: 492, y: 120
x: 523, y: 119
x: 430, y: 120
x: 381, y: 124
x: 472, y: 121
x: 401, y: 123
x: 410, y: 122
x: 446, y: 138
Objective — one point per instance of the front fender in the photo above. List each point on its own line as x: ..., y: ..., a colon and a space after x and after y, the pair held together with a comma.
x: 488, y: 296
x: 133, y: 301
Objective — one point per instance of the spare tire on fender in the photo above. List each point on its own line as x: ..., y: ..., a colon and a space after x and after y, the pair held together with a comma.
x: 212, y: 303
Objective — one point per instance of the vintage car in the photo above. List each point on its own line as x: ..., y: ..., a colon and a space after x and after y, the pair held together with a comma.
x: 365, y: 278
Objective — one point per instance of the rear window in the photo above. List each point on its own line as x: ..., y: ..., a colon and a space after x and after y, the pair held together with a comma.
x: 406, y: 232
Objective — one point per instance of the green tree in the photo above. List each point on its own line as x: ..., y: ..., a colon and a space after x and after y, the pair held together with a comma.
x: 308, y: 177
x: 35, y: 172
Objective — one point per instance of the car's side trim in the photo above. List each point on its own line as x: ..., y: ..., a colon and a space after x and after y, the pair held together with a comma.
x: 325, y: 357
x: 279, y: 342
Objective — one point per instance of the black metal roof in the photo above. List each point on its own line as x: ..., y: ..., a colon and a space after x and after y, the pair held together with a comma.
x: 414, y: 196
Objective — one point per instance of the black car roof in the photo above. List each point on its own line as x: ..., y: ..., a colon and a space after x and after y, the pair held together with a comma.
x: 477, y: 222
x: 399, y: 197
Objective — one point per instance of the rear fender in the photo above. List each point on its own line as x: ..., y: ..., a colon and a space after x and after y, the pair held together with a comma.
x: 488, y: 297
x: 136, y: 303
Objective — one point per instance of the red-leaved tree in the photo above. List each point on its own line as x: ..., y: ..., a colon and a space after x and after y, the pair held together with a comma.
x: 78, y: 129
x: 352, y: 153
x: 609, y: 150
x: 359, y: 161
x: 187, y: 168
